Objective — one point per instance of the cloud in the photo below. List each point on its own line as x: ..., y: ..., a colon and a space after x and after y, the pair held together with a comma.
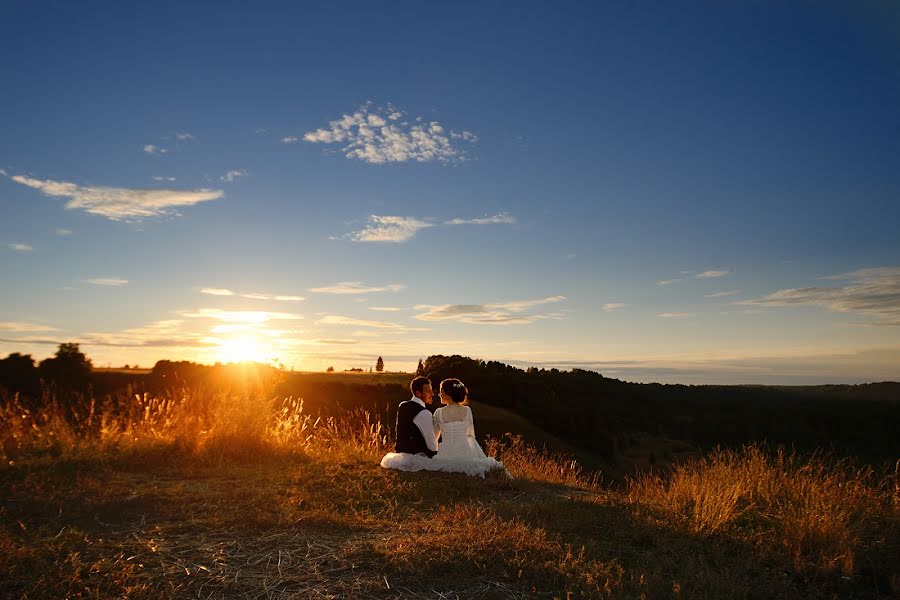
x: 63, y: 232
x: 376, y: 135
x: 240, y: 316
x: 611, y: 306
x: 389, y: 229
x: 16, y: 247
x: 154, y: 150
x: 711, y: 274
x: 402, y: 229
x: 183, y: 136
x: 216, y: 292
x: 340, y: 320
x: 675, y: 315
x: 112, y: 281
x: 230, y: 176
x: 291, y: 139
x: 385, y: 308
x: 163, y: 178
x: 18, y: 326
x: 251, y: 295
x: 119, y: 204
x: 498, y: 218
x: 722, y: 294
x: 872, y: 292
x: 357, y: 287
x: 501, y: 313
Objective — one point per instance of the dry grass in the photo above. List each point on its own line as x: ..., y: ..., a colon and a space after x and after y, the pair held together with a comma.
x: 209, y: 496
x: 828, y: 516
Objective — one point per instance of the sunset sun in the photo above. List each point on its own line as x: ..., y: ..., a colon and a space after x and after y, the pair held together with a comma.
x: 243, y: 349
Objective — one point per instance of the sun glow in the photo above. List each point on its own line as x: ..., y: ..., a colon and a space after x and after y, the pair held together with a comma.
x: 243, y: 349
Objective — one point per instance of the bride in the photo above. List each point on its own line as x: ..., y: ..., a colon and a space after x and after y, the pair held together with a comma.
x: 459, y: 451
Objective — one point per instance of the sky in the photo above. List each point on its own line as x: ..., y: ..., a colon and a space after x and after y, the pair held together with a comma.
x: 698, y: 192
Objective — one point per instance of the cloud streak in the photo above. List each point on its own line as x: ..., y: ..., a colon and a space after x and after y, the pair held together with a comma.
x: 500, y: 313
x: 396, y: 229
x: 251, y: 295
x: 16, y: 247
x: 107, y: 281
x: 710, y: 274
x: 376, y: 135
x: 872, y: 292
x: 119, y: 204
x: 357, y: 287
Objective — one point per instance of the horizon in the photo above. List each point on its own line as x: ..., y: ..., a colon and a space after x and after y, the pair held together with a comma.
x: 704, y: 196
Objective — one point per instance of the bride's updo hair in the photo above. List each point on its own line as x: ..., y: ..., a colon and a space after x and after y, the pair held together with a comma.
x: 456, y: 390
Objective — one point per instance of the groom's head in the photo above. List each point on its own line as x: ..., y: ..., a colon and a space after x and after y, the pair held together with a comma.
x: 421, y: 389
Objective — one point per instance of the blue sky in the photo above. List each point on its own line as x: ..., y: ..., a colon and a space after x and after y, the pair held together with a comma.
x: 696, y: 193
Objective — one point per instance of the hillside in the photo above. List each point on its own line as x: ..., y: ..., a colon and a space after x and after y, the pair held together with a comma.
x: 221, y: 497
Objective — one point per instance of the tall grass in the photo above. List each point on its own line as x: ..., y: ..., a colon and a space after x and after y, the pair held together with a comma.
x: 208, y: 426
x: 828, y: 516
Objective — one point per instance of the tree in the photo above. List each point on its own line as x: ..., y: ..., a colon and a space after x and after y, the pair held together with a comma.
x: 329, y: 370
x: 379, y: 365
x: 19, y: 375
x: 420, y: 370
x: 70, y: 368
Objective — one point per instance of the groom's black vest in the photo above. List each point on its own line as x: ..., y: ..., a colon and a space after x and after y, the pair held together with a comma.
x: 409, y: 437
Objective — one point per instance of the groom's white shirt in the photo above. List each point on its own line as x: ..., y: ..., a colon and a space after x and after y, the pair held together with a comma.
x: 424, y: 423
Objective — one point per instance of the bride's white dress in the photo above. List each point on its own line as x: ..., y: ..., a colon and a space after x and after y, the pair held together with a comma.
x: 459, y: 451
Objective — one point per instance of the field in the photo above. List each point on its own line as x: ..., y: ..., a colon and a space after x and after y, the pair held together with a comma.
x: 211, y: 496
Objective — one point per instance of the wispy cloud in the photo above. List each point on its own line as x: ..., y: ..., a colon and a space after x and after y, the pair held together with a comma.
x: 389, y: 229
x: 499, y: 313
x: 710, y: 274
x: 357, y: 287
x: 21, y: 326
x: 16, y: 247
x: 109, y: 281
x: 674, y: 315
x: 492, y: 220
x: 230, y: 176
x: 351, y: 321
x: 722, y: 294
x: 612, y: 306
x: 163, y: 178
x: 63, y: 232
x: 119, y: 204
x: 290, y: 139
x: 154, y: 150
x: 872, y: 292
x: 385, y: 308
x: 240, y: 316
x: 401, y: 229
x: 251, y: 295
x: 183, y: 136
x: 377, y: 135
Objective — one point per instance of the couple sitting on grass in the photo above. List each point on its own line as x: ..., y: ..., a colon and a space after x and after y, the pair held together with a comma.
x: 418, y: 433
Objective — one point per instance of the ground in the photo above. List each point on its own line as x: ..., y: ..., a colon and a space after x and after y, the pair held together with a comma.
x: 340, y: 526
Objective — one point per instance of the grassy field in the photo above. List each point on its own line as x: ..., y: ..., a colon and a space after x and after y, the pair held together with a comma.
x: 220, y: 497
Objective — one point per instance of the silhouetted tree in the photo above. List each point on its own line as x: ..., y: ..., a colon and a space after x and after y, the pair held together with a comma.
x: 420, y: 370
x: 70, y: 369
x: 379, y: 365
x: 19, y: 375
x: 329, y: 370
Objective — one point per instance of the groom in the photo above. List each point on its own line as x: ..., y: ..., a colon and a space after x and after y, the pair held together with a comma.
x: 415, y: 432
